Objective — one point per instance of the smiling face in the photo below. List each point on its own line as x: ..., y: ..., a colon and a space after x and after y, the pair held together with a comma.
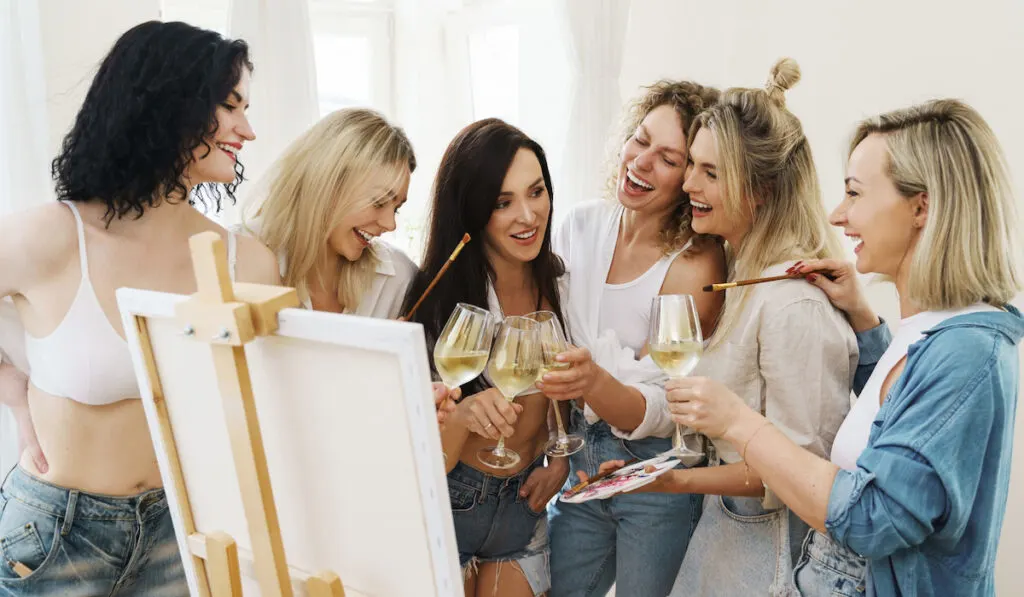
x: 516, y: 228
x: 707, y: 193
x: 217, y: 164
x: 382, y: 197
x: 653, y: 162
x: 884, y: 224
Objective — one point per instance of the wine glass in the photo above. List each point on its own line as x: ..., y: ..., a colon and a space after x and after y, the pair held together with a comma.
x: 675, y: 344
x: 552, y: 343
x: 515, y: 362
x: 460, y: 353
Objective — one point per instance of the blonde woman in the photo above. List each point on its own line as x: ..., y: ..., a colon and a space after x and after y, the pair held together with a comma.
x: 754, y: 184
x: 334, y: 191
x: 621, y: 252
x: 919, y: 472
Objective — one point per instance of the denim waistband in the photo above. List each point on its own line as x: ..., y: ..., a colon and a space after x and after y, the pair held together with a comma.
x: 74, y: 504
x: 835, y: 556
x: 489, y: 484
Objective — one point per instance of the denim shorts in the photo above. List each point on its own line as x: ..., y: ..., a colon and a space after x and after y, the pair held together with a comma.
x: 57, y: 541
x: 494, y: 524
x: 827, y: 569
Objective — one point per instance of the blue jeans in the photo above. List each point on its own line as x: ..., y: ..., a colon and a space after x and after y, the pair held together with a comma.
x: 77, y: 544
x: 827, y: 569
x: 494, y: 524
x: 635, y: 541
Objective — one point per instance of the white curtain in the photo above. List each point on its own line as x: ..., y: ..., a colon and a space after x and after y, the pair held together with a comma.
x: 596, y: 31
x: 284, y: 91
x: 24, y: 179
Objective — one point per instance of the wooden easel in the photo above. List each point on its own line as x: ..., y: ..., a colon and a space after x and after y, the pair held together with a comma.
x: 228, y: 316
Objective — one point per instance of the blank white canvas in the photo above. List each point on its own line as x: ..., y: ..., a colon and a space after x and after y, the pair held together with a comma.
x: 350, y: 437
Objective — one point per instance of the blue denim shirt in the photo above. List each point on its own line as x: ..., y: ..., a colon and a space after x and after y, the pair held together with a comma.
x: 926, y: 502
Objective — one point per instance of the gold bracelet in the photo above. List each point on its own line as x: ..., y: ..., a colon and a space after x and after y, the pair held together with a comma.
x: 743, y: 454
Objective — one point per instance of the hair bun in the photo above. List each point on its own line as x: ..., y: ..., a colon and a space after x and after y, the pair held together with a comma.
x: 784, y: 74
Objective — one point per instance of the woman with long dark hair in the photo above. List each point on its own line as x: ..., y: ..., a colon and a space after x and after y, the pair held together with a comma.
x: 494, y: 183
x: 161, y: 126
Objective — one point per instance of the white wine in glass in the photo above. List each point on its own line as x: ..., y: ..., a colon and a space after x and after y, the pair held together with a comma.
x: 515, y: 362
x: 553, y: 343
x: 461, y: 351
x: 675, y: 344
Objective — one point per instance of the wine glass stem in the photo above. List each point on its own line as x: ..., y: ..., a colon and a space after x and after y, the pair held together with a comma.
x: 677, y: 437
x: 499, y: 450
x: 558, y: 420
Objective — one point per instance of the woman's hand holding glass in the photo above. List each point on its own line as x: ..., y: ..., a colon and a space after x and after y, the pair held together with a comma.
x: 460, y: 354
x: 553, y: 344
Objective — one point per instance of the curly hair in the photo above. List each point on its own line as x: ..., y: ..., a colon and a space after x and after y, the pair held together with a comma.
x: 152, y: 102
x: 688, y: 99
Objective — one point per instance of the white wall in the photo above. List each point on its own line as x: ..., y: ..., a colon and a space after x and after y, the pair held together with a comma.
x: 76, y: 36
x: 857, y: 59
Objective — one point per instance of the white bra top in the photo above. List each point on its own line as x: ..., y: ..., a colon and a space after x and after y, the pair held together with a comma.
x: 853, y: 434
x: 85, y: 359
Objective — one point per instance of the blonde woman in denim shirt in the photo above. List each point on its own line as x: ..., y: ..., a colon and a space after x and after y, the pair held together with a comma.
x: 913, y: 498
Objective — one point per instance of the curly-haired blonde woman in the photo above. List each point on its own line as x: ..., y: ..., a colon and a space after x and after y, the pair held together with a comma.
x: 621, y: 252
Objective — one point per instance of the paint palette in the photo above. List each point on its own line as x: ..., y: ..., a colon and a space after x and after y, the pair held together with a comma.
x: 627, y: 478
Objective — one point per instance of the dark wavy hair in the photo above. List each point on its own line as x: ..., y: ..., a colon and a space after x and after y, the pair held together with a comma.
x: 465, y: 194
x: 152, y: 102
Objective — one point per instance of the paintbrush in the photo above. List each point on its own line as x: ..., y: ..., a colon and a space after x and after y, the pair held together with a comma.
x: 444, y: 268
x: 717, y: 287
x: 792, y: 276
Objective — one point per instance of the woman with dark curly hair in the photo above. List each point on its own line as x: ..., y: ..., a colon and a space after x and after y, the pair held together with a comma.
x: 161, y: 125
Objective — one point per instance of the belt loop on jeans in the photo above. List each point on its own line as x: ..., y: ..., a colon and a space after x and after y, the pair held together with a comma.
x: 483, y: 489
x: 69, y: 514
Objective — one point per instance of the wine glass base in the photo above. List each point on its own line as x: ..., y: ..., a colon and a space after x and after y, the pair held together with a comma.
x: 494, y: 459
x: 566, y: 446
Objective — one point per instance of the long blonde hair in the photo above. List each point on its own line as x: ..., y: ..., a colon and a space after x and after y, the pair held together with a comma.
x: 319, y: 180
x: 687, y: 99
x: 968, y: 249
x: 766, y: 167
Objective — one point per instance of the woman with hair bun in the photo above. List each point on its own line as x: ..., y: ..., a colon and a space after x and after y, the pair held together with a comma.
x: 754, y: 184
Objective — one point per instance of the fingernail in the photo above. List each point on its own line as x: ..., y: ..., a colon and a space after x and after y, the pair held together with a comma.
x: 559, y: 358
x: 812, y: 277
x: 540, y: 385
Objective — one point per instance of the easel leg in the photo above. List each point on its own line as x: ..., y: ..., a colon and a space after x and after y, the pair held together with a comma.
x: 325, y: 584
x: 222, y: 557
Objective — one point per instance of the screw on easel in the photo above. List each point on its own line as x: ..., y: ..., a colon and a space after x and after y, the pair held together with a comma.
x: 223, y: 335
x: 189, y: 330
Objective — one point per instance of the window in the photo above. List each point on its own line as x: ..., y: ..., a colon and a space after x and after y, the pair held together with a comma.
x: 352, y: 42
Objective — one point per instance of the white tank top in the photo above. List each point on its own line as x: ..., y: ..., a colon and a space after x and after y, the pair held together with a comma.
x: 85, y: 359
x: 626, y: 308
x: 852, y: 437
